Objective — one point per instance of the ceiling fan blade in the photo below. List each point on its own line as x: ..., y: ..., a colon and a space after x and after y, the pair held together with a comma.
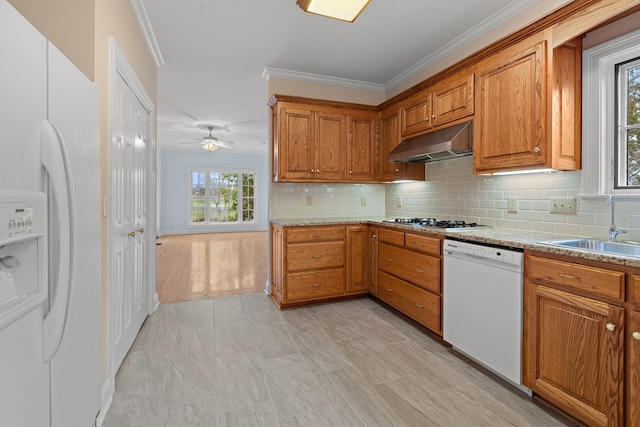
x: 194, y: 142
x: 225, y: 144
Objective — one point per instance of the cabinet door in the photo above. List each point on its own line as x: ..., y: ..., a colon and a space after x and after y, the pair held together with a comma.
x: 562, y: 328
x: 416, y: 113
x: 633, y: 379
x: 389, y: 139
x: 509, y: 126
x: 296, y: 144
x: 373, y: 263
x: 277, y: 263
x: 361, y: 155
x: 357, y: 259
x: 330, y: 146
x: 452, y: 99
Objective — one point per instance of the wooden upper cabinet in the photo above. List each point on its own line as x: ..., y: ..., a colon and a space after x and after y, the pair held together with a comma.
x: 320, y: 141
x: 362, y: 148
x: 416, y: 113
x: 452, y: 99
x: 389, y: 139
x: 445, y: 101
x: 509, y: 125
x: 330, y: 146
x: 528, y: 108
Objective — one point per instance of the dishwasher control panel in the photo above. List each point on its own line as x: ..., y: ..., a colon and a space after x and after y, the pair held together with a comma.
x: 487, y: 252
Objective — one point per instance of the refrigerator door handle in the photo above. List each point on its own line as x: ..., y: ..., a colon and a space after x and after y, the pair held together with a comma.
x: 55, y: 161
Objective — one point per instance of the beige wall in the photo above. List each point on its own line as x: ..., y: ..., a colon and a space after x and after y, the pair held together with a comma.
x: 81, y: 30
x: 322, y: 91
x: 68, y: 24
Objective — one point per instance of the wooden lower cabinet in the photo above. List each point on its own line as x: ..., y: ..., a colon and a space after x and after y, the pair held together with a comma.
x: 409, y: 275
x: 633, y: 368
x: 373, y: 261
x: 315, y: 263
x: 574, y: 341
x: 420, y: 305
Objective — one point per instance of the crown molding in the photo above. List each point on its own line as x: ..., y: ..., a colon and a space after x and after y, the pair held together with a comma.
x: 320, y: 79
x: 147, y: 31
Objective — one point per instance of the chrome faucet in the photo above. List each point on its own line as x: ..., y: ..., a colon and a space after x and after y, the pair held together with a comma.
x: 613, y: 230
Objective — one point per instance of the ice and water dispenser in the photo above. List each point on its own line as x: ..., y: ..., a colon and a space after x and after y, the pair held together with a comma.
x: 23, y: 227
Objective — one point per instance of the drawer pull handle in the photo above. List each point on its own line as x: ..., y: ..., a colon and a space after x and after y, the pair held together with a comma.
x: 389, y: 289
x: 636, y: 336
x: 566, y: 276
x: 611, y: 327
x: 419, y: 305
x: 419, y: 270
x: 317, y: 235
x: 418, y: 243
x: 389, y: 259
x: 315, y: 285
x: 316, y: 256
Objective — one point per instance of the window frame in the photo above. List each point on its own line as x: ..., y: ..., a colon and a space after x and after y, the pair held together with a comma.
x: 207, y: 222
x: 599, y: 127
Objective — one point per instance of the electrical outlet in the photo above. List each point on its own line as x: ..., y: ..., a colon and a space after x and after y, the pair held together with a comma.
x: 399, y: 201
x: 512, y: 204
x: 564, y: 205
x: 309, y: 200
x: 363, y: 201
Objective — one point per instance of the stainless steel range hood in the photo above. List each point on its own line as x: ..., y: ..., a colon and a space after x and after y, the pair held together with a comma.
x: 448, y: 143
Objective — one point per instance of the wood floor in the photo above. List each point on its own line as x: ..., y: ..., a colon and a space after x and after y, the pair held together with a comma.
x: 200, y: 266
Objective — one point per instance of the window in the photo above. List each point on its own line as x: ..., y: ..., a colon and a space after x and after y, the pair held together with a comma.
x: 222, y: 197
x: 627, y: 173
x: 611, y: 117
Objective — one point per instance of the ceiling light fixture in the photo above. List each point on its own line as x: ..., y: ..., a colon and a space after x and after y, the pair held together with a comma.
x: 345, y: 10
x: 209, y: 146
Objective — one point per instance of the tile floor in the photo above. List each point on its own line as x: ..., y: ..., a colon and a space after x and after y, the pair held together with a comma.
x: 239, y: 361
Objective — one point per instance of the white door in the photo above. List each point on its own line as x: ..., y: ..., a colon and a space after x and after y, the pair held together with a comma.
x: 128, y: 219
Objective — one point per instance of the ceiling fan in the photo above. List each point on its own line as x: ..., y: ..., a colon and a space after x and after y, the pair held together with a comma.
x: 210, y: 142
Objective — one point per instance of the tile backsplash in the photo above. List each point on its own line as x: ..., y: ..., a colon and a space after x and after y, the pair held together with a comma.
x: 453, y: 192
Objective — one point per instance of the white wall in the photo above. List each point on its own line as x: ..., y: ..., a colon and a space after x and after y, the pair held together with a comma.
x: 453, y: 192
x: 175, y: 184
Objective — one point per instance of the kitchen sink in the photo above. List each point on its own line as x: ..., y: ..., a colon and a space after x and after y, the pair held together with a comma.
x: 625, y: 248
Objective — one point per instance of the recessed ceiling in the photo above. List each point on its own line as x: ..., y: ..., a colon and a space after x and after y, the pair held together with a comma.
x: 214, y: 53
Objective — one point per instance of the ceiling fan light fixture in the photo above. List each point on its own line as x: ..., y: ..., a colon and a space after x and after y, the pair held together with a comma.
x: 209, y: 146
x: 345, y: 10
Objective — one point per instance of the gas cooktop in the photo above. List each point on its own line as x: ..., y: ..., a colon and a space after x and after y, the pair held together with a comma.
x: 435, y: 223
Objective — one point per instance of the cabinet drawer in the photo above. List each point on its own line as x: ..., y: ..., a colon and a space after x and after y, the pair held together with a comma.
x: 392, y: 237
x: 420, y: 269
x: 312, y: 256
x: 420, y: 305
x: 428, y: 245
x: 594, y: 280
x: 314, y: 285
x: 314, y: 234
x: 635, y: 289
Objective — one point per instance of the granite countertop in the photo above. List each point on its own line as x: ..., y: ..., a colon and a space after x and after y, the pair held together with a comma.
x: 521, y: 239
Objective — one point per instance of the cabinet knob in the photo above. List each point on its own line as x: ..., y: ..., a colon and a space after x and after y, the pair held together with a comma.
x: 426, y: 119
x: 350, y: 172
x: 433, y: 117
x: 397, y: 170
x: 313, y: 170
x: 141, y: 230
x: 132, y: 234
x: 536, y: 149
x: 636, y: 336
x: 611, y: 327
x: 374, y: 236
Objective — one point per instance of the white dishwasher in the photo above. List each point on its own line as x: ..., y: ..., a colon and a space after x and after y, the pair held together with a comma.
x: 482, y: 308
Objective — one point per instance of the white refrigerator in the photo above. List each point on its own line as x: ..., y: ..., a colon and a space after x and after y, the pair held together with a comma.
x: 49, y: 143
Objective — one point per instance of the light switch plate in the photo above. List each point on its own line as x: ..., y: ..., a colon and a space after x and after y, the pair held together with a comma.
x: 564, y: 205
x: 309, y: 200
